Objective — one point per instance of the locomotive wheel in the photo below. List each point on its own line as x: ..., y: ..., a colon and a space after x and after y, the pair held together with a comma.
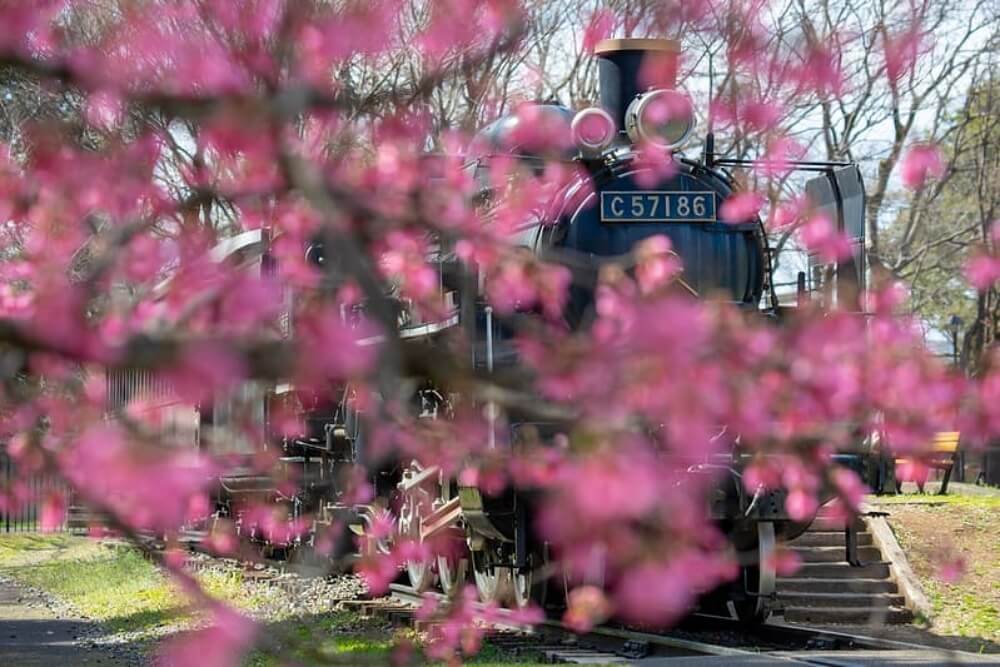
x: 532, y: 583
x: 452, y: 573
x: 494, y: 583
x: 759, y: 579
x: 416, y: 503
x: 524, y: 586
x: 452, y: 566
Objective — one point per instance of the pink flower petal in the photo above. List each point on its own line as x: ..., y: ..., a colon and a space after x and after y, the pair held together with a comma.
x: 741, y: 207
x: 599, y: 27
x: 982, y: 271
x: 921, y: 162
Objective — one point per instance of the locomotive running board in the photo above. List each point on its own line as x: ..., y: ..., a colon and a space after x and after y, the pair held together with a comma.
x: 441, y: 519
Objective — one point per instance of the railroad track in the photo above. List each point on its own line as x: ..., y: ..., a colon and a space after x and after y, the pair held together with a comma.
x: 774, y: 642
x: 701, y: 636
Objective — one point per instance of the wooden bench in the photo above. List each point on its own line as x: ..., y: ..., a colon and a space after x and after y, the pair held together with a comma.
x: 941, y: 457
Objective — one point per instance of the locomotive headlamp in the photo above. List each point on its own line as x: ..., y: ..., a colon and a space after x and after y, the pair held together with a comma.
x: 593, y: 131
x: 664, y: 118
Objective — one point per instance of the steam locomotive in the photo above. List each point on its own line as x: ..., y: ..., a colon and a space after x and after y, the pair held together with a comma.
x: 617, y: 210
x: 601, y: 215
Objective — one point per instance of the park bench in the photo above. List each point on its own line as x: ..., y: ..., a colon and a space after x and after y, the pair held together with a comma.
x: 942, y: 456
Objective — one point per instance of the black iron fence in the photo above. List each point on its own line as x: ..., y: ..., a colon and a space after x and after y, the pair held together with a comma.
x: 22, y: 496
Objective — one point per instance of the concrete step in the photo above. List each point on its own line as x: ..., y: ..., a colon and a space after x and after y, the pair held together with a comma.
x: 834, y: 554
x: 852, y: 615
x: 826, y: 524
x: 828, y: 538
x: 828, y: 585
x: 875, y: 570
x: 870, y: 600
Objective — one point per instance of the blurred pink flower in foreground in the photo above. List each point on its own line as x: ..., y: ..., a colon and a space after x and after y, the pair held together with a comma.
x: 222, y: 644
x: 600, y: 25
x: 152, y: 490
x: 661, y: 593
x: 587, y: 606
x: 900, y: 51
x: 820, y: 236
x: 910, y: 470
x: 950, y: 565
x: 656, y: 263
x: 982, y: 271
x: 785, y: 562
x: 921, y: 162
x: 53, y: 511
x: 653, y: 165
x: 741, y: 207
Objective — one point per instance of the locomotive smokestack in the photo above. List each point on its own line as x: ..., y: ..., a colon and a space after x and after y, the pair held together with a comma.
x: 620, y: 63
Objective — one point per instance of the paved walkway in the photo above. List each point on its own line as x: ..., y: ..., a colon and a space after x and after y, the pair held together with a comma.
x: 32, y: 636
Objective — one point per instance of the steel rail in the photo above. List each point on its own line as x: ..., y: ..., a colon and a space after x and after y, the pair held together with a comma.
x: 771, y: 632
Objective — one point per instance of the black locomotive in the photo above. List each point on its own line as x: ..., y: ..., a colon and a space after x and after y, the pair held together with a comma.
x: 604, y: 214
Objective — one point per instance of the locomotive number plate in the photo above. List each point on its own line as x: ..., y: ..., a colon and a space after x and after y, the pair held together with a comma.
x: 657, y: 206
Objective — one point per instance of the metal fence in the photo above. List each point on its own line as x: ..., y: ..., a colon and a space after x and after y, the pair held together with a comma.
x: 23, y: 496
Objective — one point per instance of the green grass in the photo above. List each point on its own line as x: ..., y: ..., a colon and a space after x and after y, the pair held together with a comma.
x: 341, y: 638
x: 935, y: 528
x: 987, y: 502
x: 113, y: 584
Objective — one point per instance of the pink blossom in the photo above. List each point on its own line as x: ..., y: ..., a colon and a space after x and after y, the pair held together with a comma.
x: 587, y: 606
x: 982, y: 271
x: 104, y: 109
x: 145, y: 491
x: 540, y: 130
x: 53, y: 512
x: 801, y: 505
x: 850, y: 486
x: 761, y: 474
x: 821, y: 237
x: 378, y: 571
x: 789, y: 213
x: 951, y: 568
x: 203, y: 371
x: 911, y: 470
x: 656, y: 264
x: 599, y: 26
x: 741, y: 207
x: 333, y: 348
x: 921, y: 161
x: 653, y: 166
x: 820, y: 71
x: 223, y: 644
x: 781, y: 152
x: 660, y: 594
x: 222, y: 540
x: 786, y: 562
x: 900, y: 51
x: 659, y: 70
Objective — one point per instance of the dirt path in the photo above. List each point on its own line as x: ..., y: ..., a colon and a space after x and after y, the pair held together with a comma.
x: 33, y: 636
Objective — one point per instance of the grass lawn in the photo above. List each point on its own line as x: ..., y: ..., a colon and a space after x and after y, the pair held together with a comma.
x: 110, y: 583
x: 939, y: 529
x: 345, y: 638
x: 114, y: 584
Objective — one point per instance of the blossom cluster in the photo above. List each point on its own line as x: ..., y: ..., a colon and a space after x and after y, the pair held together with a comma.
x: 206, y: 121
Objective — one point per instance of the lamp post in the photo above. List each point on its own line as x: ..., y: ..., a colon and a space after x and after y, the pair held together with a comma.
x: 955, y: 326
